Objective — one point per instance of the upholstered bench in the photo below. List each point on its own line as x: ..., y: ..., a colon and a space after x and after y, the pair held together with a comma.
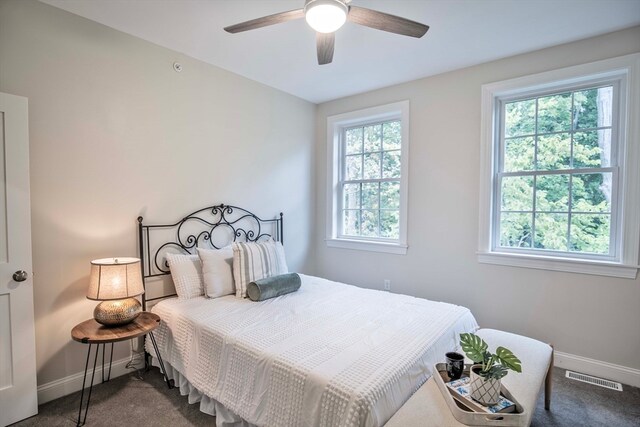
x: 427, y: 407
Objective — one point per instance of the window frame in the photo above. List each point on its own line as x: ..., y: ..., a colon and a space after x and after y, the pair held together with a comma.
x: 622, y: 261
x: 336, y: 127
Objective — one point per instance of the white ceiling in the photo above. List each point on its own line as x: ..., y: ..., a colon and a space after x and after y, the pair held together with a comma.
x: 462, y: 33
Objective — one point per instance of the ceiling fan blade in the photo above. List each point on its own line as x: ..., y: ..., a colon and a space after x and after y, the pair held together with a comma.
x: 265, y: 21
x: 385, y: 22
x: 326, y: 43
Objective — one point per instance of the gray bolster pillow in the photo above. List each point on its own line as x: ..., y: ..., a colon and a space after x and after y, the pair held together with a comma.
x: 272, y: 287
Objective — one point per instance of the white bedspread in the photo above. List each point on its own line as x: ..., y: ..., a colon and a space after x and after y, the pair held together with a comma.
x: 329, y: 354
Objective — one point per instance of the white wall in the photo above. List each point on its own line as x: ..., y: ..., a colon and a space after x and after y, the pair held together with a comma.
x: 115, y: 132
x: 590, y: 316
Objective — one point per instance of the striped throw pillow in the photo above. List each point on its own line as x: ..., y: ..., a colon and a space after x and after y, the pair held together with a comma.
x: 256, y: 260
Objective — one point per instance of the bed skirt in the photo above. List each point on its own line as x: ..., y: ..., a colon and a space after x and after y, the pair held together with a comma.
x: 224, y: 417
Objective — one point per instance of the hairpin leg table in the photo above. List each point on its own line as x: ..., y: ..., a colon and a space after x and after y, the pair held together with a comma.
x: 93, y: 333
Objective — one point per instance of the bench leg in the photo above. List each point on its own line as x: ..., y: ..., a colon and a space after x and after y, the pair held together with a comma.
x: 548, y: 383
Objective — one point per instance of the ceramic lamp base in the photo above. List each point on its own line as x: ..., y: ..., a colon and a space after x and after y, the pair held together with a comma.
x: 117, y: 312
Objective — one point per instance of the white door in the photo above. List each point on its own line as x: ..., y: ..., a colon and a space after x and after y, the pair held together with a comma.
x: 18, y: 393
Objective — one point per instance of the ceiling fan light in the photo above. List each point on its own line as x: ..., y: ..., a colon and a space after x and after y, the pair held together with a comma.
x: 325, y: 16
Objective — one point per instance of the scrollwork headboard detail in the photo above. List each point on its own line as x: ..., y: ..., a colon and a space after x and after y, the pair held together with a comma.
x: 211, y: 227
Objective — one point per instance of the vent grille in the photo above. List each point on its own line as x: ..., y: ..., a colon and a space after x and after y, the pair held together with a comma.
x: 594, y: 380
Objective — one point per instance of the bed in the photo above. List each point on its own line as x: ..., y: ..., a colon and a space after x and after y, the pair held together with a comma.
x: 329, y: 354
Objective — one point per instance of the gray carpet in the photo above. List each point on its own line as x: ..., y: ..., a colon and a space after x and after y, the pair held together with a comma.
x: 128, y: 400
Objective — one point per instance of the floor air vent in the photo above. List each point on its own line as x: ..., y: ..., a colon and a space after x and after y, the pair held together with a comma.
x: 594, y: 380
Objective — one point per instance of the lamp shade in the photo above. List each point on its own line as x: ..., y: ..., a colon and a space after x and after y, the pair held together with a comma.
x: 115, y: 278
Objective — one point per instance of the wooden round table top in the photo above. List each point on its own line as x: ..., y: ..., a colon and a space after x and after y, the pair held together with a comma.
x: 92, y: 332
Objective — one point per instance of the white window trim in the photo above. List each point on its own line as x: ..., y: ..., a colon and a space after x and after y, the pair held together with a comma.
x: 335, y: 125
x: 625, y: 67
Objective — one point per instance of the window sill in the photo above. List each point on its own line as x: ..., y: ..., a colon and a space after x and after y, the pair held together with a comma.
x: 598, y: 268
x: 365, y: 245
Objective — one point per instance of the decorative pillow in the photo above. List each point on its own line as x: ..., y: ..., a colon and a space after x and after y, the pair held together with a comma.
x: 216, y: 271
x: 274, y: 286
x: 186, y: 272
x: 253, y: 261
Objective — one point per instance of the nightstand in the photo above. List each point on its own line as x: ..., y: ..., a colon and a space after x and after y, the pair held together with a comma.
x: 91, y: 332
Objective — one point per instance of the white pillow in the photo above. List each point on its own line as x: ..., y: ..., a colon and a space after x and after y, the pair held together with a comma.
x: 253, y: 261
x: 216, y: 271
x: 186, y: 272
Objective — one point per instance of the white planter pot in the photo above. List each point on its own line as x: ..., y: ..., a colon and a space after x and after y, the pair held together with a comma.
x: 485, y: 391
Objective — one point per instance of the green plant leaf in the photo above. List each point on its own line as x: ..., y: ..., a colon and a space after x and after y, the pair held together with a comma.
x: 497, y: 372
x: 508, y: 359
x: 488, y: 359
x: 474, y: 347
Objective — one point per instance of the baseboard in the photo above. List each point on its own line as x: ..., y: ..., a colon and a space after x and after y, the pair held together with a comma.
x: 598, y: 368
x: 67, y: 385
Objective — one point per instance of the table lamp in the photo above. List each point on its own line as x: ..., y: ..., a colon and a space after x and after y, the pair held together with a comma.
x: 115, y: 281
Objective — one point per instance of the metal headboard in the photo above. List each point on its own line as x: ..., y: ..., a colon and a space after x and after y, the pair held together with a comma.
x: 212, y: 227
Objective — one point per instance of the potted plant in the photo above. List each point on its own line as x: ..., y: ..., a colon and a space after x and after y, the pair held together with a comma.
x: 488, y: 369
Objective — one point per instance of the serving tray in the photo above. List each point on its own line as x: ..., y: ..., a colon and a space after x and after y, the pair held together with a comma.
x: 468, y: 417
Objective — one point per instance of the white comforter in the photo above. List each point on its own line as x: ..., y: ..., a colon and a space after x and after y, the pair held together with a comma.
x: 329, y: 354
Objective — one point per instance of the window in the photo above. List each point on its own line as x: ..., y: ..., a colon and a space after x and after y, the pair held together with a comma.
x: 368, y: 152
x: 559, y: 194
x: 370, y: 180
x: 556, y: 174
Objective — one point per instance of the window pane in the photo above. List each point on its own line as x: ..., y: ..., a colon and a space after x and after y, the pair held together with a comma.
x: 391, y: 136
x: 517, y: 193
x: 591, y: 192
x: 515, y: 230
x: 351, y: 196
x: 391, y: 164
x: 554, y: 151
x: 389, y: 224
x: 554, y: 113
x: 558, y: 139
x: 552, y: 193
x: 518, y: 154
x: 390, y: 195
x: 373, y: 138
x: 551, y: 231
x: 592, y: 149
x: 593, y: 108
x: 370, y: 195
x: 590, y: 233
x: 354, y: 167
x: 520, y: 118
x: 351, y: 222
x: 354, y: 140
x: 371, y: 166
x: 370, y: 223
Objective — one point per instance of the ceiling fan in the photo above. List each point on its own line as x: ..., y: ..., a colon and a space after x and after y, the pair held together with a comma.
x: 327, y: 16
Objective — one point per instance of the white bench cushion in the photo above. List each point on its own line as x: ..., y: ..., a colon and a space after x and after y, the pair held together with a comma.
x: 427, y: 407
